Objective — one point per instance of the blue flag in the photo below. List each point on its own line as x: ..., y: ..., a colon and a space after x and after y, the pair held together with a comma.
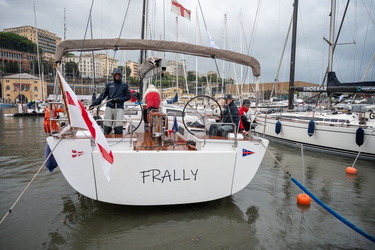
x: 51, y: 163
x: 175, y: 125
x: 175, y: 99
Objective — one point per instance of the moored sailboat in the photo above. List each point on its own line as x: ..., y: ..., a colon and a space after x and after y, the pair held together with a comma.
x: 349, y: 132
x: 166, y: 164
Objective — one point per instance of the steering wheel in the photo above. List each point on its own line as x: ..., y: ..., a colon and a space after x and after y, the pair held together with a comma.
x: 133, y: 111
x: 197, y: 111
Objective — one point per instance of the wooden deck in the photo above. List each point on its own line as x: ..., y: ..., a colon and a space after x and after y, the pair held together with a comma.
x: 144, y: 141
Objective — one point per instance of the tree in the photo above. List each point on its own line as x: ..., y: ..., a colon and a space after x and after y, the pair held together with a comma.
x: 128, y: 71
x: 13, y: 41
x: 71, y: 69
x: 46, y: 67
x: 11, y: 67
x: 191, y: 76
x: 212, y: 77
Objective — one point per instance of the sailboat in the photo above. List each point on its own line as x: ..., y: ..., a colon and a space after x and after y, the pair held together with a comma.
x: 348, y: 132
x: 169, y: 163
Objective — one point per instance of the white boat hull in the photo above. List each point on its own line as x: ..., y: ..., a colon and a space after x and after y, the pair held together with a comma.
x: 325, y: 138
x: 215, y: 170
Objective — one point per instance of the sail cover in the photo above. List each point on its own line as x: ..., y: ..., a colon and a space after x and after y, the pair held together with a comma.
x: 156, y: 45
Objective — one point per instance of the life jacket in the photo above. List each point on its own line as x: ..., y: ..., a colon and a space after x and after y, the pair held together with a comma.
x: 48, y: 124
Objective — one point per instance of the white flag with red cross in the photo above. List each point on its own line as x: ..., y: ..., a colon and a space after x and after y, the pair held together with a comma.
x: 180, y: 10
x: 80, y: 118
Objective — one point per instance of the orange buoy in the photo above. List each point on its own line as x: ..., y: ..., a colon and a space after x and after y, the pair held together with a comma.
x: 351, y: 170
x: 303, y: 199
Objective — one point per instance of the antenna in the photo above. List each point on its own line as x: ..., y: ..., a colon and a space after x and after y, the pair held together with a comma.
x: 64, y: 23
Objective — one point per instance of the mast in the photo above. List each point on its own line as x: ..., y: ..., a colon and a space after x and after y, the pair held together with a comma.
x: 142, y: 51
x: 331, y: 35
x: 37, y: 48
x: 176, y: 57
x: 225, y: 41
x: 293, y: 56
x: 196, y: 58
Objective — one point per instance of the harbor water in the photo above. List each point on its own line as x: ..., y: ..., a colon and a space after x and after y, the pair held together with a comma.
x: 264, y: 215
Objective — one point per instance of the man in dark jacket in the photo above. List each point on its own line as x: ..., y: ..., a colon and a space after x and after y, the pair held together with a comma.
x: 117, y: 93
x: 230, y: 115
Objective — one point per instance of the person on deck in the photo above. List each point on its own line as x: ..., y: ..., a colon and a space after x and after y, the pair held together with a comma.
x: 117, y: 92
x: 230, y: 115
x: 245, y: 120
x: 152, y: 100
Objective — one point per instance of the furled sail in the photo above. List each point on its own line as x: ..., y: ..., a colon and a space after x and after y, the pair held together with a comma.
x: 156, y: 45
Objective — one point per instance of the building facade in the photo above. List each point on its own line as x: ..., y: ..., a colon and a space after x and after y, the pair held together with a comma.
x: 46, y: 40
x: 102, y: 65
x: 22, y: 88
x: 23, y: 59
x: 169, y: 93
x: 174, y: 68
x: 133, y: 67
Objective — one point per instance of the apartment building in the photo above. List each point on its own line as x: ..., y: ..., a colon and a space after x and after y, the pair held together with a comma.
x: 174, y: 68
x: 133, y: 67
x: 46, y: 40
x: 101, y: 65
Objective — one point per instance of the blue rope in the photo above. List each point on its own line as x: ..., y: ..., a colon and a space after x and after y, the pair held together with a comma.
x: 338, y: 216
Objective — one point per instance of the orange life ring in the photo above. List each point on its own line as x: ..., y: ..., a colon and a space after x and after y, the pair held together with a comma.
x: 48, y: 124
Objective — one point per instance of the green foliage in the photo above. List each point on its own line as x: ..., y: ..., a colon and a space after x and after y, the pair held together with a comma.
x: 46, y: 67
x: 133, y: 82
x: 11, y: 67
x: 128, y: 71
x: 71, y: 69
x: 212, y: 77
x: 191, y: 76
x: 13, y: 41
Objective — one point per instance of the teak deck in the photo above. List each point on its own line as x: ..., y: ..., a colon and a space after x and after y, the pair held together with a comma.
x: 144, y: 141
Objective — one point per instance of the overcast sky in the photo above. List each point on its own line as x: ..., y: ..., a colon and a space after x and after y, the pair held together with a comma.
x: 263, y: 23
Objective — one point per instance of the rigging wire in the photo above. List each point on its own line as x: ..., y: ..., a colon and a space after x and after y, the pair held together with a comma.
x: 87, y: 26
x: 368, y: 12
x: 305, y: 43
x: 363, y: 51
x: 119, y: 36
x: 211, y: 41
x: 255, y: 25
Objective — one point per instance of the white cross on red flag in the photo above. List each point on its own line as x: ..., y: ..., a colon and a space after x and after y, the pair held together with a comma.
x: 80, y: 118
x: 180, y: 10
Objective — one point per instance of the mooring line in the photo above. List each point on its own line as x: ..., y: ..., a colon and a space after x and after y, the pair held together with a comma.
x: 360, y: 151
x: 19, y: 197
x: 321, y: 203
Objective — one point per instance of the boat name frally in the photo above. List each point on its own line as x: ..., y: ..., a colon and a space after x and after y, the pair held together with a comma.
x: 156, y: 175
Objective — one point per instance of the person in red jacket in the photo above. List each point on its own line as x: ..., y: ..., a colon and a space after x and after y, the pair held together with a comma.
x: 245, y: 123
x: 152, y: 100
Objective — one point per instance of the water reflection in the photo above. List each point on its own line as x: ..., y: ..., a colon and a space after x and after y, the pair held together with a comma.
x: 95, y: 224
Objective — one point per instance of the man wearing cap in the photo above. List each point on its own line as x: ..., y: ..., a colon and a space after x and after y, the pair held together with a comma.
x: 230, y: 115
